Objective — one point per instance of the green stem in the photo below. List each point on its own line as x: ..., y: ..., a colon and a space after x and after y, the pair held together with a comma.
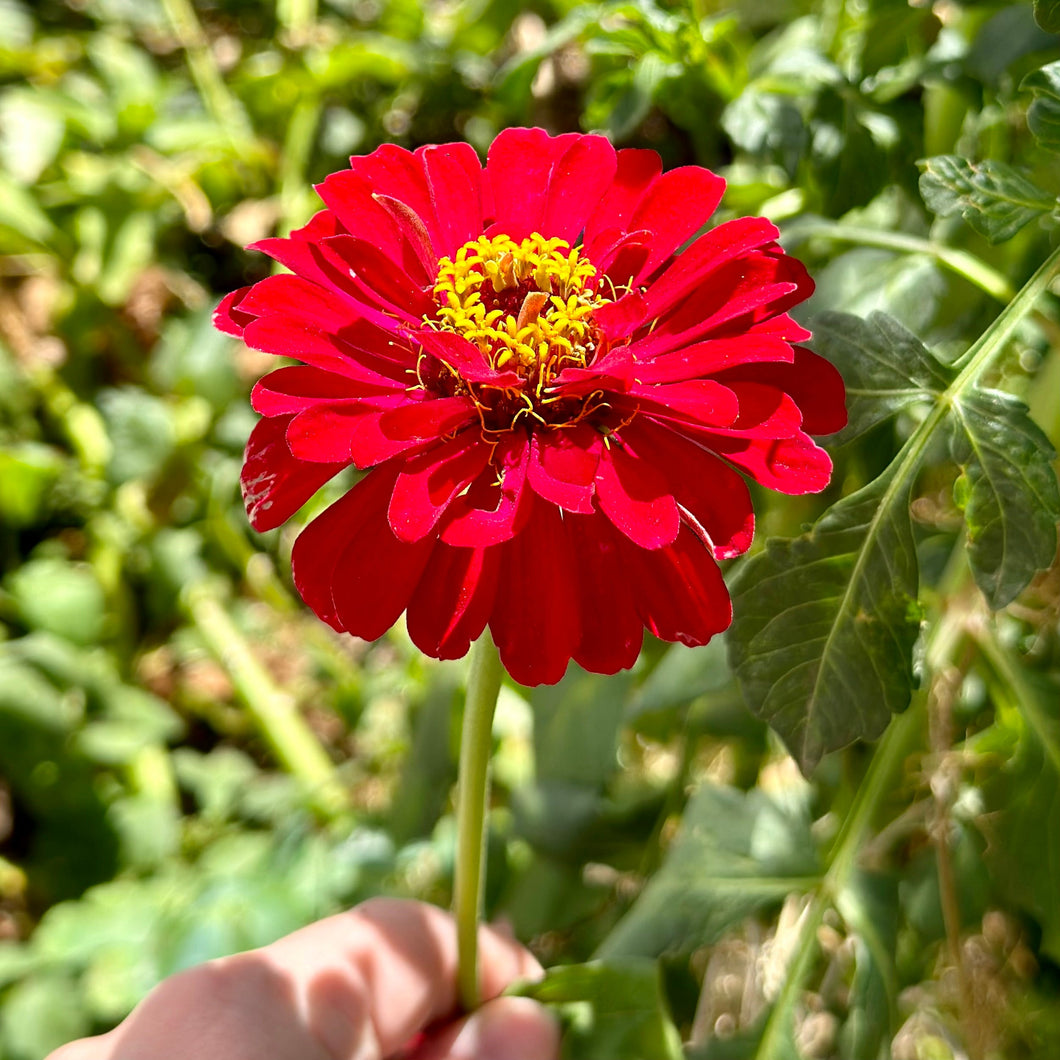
x: 974, y: 270
x: 483, y: 686
x: 297, y: 146
x: 221, y: 104
x: 890, y: 753
x: 273, y: 711
x: 297, y: 18
x: 994, y: 338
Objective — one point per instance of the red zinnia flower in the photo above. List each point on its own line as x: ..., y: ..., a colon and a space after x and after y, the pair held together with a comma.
x: 553, y: 406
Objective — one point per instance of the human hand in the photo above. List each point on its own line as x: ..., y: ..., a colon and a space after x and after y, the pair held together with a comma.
x: 376, y: 983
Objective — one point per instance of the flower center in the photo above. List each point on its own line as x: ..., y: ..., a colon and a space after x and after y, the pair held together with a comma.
x: 527, y: 306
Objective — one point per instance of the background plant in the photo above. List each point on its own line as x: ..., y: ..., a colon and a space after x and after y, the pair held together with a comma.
x: 191, y: 764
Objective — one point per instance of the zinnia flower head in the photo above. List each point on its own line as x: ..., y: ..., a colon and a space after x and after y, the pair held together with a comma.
x: 555, y: 409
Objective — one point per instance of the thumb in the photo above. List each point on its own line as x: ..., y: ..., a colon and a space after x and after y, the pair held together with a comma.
x: 509, y: 1028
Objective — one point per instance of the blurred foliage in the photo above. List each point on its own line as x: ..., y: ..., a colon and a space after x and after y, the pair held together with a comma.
x: 190, y: 764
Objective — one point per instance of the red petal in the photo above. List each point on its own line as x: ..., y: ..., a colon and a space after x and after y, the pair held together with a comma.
x: 324, y: 433
x: 578, y: 179
x: 731, y: 240
x: 635, y: 497
x: 536, y: 620
x: 740, y: 296
x: 676, y: 206
x: 635, y: 172
x: 707, y: 488
x: 301, y: 342
x: 376, y: 576
x: 765, y: 412
x: 519, y: 168
x: 453, y: 600
x: 463, y: 357
x: 713, y: 355
x: 814, y: 384
x: 492, y: 512
x: 789, y: 465
x: 700, y: 402
x: 678, y: 590
x: 563, y: 465
x: 431, y: 480
x: 611, y: 630
x: 289, y: 390
x: 275, y: 483
x: 228, y: 317
x: 296, y: 299
x: 376, y: 280
x: 454, y: 178
x: 320, y: 546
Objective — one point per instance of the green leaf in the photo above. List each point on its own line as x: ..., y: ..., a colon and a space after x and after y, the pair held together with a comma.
x: 1023, y: 850
x: 1012, y: 504
x: 1043, y: 117
x: 885, y: 367
x: 39, y: 1015
x: 60, y: 597
x: 825, y: 625
x: 869, y: 905
x: 830, y: 667
x: 735, y: 854
x: 613, y: 1010
x: 576, y: 725
x: 994, y: 198
x: 1047, y: 15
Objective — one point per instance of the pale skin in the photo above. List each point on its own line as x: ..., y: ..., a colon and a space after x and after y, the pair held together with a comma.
x: 362, y: 985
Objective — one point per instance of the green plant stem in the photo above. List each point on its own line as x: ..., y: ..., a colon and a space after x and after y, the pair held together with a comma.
x: 273, y: 711
x: 476, y: 739
x: 297, y: 145
x: 889, y: 755
x: 297, y: 18
x: 974, y: 270
x: 221, y: 104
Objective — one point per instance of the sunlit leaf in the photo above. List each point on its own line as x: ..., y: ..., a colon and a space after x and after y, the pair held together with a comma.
x: 614, y: 1010
x: 735, y: 854
x: 993, y: 197
x: 1008, y: 492
x: 885, y: 367
x: 1044, y: 114
x: 825, y: 625
x: 1047, y: 15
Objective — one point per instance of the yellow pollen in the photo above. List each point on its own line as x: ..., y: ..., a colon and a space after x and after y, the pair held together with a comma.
x: 527, y: 306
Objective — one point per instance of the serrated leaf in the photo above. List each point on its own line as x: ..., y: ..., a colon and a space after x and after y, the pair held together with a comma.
x: 825, y: 625
x: 615, y: 1010
x: 831, y: 667
x: 1044, y: 114
x: 994, y: 198
x: 885, y: 367
x: 1047, y: 15
x: 736, y: 853
x: 1011, y: 503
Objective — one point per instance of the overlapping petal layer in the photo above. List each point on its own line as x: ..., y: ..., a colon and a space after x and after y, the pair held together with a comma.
x: 554, y: 408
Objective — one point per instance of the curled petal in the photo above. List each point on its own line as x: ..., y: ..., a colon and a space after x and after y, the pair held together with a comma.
x: 563, y: 465
x: 274, y: 482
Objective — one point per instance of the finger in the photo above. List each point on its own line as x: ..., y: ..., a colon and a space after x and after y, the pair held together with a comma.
x: 386, y: 970
x: 84, y: 1049
x: 509, y: 1028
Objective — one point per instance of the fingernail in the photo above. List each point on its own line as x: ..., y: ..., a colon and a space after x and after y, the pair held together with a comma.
x: 510, y: 1028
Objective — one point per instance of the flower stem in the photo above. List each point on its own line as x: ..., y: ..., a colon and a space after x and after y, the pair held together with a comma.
x: 483, y: 685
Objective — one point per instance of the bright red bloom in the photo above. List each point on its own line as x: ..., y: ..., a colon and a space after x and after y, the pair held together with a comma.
x: 555, y: 407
